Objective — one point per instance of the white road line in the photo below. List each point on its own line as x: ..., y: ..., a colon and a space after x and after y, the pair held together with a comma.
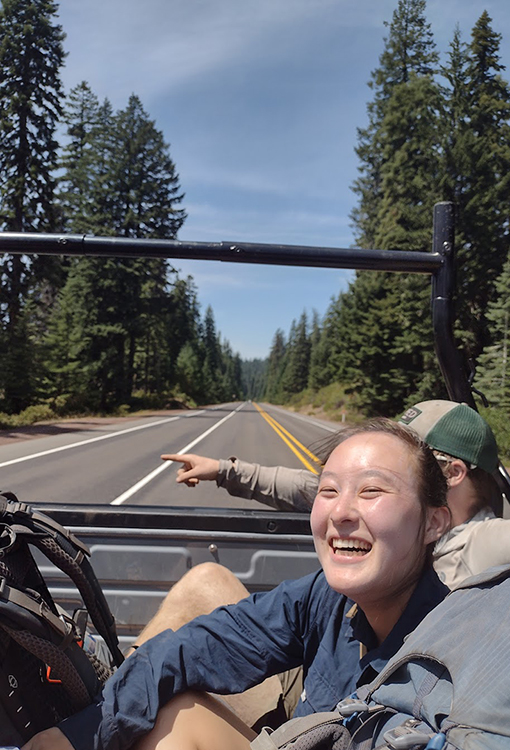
x: 86, y: 442
x: 138, y: 486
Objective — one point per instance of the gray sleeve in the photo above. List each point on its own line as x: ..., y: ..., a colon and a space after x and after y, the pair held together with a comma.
x: 277, y: 486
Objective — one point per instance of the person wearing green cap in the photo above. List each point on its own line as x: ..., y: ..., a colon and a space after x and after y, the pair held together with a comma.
x: 466, y: 448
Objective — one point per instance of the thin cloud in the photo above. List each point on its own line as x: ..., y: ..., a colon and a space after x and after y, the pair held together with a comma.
x: 166, y: 45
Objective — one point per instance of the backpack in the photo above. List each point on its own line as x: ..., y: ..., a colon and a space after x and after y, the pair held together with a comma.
x: 451, y: 678
x: 45, y: 673
x: 447, y: 688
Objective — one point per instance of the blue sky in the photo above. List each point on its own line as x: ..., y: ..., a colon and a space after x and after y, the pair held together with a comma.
x: 259, y: 101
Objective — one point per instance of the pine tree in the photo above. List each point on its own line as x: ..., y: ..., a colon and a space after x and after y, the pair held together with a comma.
x: 275, y: 366
x: 254, y: 377
x: 119, y: 180
x: 31, y: 55
x: 297, y: 358
x: 80, y: 160
x: 188, y: 372
x: 483, y: 198
x: 317, y: 373
x: 409, y: 50
x: 400, y: 157
x: 146, y: 191
x: 493, y: 367
x: 212, y: 359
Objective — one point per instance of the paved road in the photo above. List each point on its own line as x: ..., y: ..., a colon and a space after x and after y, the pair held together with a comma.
x: 119, y: 464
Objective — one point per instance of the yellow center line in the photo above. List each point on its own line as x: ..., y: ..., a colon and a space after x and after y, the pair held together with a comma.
x: 287, y: 437
x: 302, y: 447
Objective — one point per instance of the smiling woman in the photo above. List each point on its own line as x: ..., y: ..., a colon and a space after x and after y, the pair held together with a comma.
x: 381, y: 503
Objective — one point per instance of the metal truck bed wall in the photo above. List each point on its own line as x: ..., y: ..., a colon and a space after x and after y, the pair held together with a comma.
x: 138, y: 554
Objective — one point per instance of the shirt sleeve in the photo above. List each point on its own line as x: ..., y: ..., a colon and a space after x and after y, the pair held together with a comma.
x: 228, y: 651
x: 278, y: 486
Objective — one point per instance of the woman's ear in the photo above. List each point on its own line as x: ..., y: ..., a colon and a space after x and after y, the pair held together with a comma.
x: 438, y: 523
x: 456, y: 472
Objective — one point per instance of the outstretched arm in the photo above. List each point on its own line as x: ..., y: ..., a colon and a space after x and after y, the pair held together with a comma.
x: 278, y: 486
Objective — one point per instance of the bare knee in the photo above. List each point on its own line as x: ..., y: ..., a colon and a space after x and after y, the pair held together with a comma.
x: 198, y: 592
x: 205, y: 574
x: 209, y: 584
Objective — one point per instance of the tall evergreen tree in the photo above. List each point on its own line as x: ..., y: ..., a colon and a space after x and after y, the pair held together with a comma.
x: 120, y: 180
x: 275, y: 365
x: 409, y: 50
x: 31, y: 56
x: 254, y: 375
x: 493, y: 367
x: 399, y: 154
x: 212, y: 359
x: 81, y: 157
x: 482, y: 197
x: 297, y: 360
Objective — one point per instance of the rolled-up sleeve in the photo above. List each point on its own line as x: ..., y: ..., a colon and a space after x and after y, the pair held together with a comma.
x: 228, y: 651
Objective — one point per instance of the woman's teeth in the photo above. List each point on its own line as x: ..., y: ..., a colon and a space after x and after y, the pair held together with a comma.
x: 351, y: 547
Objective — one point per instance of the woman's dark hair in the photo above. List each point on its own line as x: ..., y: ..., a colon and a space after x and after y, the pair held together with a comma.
x: 432, y: 484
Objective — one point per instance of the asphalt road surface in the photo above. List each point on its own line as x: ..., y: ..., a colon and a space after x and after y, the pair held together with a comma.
x: 120, y: 463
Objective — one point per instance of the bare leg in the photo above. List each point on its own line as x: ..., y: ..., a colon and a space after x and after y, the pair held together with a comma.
x: 196, y: 721
x: 198, y: 592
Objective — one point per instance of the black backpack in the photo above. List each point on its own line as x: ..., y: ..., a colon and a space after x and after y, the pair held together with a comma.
x: 45, y: 674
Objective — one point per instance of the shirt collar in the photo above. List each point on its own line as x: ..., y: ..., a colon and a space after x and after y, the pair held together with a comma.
x: 429, y: 591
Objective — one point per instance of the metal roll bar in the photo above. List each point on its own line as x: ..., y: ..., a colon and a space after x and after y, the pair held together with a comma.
x: 440, y: 264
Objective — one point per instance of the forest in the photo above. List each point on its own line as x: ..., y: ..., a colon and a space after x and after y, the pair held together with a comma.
x: 91, y: 334
x: 99, y: 335
x: 436, y: 132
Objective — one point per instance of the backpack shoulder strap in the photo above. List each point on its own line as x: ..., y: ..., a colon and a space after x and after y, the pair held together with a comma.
x: 68, y: 554
x: 311, y: 732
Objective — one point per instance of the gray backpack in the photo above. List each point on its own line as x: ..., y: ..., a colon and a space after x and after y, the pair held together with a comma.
x: 447, y: 688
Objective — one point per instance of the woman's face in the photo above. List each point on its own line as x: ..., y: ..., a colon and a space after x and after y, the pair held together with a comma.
x: 366, y: 519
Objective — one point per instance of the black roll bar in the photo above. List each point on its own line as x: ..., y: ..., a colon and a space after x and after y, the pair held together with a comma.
x: 440, y: 264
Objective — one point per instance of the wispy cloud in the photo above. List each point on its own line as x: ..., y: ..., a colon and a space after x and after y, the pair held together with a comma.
x: 167, y: 44
x: 207, y: 222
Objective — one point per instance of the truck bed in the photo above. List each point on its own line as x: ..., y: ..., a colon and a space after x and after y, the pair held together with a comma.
x: 139, y: 553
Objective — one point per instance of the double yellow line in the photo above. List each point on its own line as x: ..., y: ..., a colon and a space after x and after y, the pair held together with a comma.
x: 289, y: 439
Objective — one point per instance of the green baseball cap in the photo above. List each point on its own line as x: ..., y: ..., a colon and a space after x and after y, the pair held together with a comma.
x: 456, y: 429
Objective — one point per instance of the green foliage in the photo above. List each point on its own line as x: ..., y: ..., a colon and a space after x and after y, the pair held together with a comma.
x: 31, y: 55
x: 104, y: 334
x: 476, y: 174
x: 409, y: 52
x: 253, y: 377
x: 429, y: 138
x: 30, y: 415
x: 112, y: 327
x: 493, y: 365
x: 500, y: 424
x: 294, y: 376
x: 275, y: 367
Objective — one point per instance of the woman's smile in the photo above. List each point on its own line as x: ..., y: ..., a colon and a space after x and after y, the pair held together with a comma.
x: 349, y: 547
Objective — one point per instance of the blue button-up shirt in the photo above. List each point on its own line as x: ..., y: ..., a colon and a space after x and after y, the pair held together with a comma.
x: 301, y: 622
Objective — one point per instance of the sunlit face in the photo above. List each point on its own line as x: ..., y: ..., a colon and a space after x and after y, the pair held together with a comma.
x: 366, y: 518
